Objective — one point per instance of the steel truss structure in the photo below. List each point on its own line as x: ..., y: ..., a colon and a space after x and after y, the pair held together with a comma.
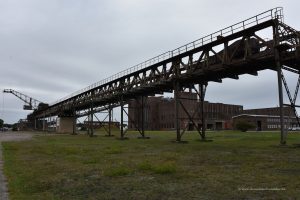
x: 233, y: 51
x: 30, y: 103
x: 140, y: 122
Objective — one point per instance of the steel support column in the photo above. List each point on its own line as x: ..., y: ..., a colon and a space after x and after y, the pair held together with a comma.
x: 91, y: 120
x: 176, y: 86
x: 109, y: 121
x: 44, y: 127
x: 74, y: 122
x: 202, y: 90
x: 280, y: 95
x: 35, y: 126
x: 278, y: 69
x: 122, y: 118
x: 142, y: 131
x: 56, y: 122
x: 177, y: 122
x: 143, y: 117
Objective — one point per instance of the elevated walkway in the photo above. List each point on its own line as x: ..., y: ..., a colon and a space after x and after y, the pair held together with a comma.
x: 230, y: 52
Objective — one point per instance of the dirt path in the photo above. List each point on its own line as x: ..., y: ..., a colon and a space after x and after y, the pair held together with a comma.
x: 8, y: 136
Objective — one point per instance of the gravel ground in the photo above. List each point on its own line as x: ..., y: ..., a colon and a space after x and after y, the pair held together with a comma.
x: 8, y: 136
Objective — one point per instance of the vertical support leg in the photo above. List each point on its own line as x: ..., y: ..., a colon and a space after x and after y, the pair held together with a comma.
x: 88, y: 125
x: 92, y: 122
x: 74, y: 123
x: 35, y: 123
x: 56, y: 122
x: 143, y: 111
x: 44, y: 125
x: 280, y: 95
x: 112, y: 115
x: 202, y: 93
x: 143, y: 117
x: 177, y: 123
x: 50, y: 124
x: 109, y: 121
x: 122, y: 118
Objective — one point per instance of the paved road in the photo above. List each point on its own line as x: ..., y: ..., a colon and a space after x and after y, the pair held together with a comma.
x: 8, y: 136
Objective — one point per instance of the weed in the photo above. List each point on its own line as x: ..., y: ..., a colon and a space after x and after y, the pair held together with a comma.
x: 119, y: 171
x: 165, y: 168
x: 113, y: 150
x: 145, y: 166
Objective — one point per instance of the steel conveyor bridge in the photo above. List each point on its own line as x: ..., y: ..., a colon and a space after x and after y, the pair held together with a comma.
x: 230, y: 52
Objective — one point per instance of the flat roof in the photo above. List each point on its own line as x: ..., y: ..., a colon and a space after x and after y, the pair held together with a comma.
x: 252, y: 115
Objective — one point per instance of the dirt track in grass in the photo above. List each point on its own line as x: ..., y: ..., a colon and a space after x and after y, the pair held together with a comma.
x: 8, y: 136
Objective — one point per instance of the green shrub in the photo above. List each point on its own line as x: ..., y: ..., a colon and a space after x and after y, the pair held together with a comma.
x: 15, y: 127
x: 243, y: 125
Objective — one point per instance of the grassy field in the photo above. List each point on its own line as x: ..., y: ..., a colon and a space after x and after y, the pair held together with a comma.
x: 234, y: 166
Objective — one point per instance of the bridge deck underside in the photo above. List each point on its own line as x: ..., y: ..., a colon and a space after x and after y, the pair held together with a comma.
x: 215, y: 73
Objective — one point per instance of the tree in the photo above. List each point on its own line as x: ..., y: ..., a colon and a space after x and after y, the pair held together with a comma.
x: 15, y: 127
x: 243, y: 125
x: 1, y: 123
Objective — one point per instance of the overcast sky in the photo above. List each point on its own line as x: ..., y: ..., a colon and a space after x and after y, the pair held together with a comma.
x: 52, y: 48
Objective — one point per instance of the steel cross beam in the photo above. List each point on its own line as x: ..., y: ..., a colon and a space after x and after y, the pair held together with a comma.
x: 139, y: 125
x: 110, y: 110
x: 102, y: 122
x: 292, y: 100
x: 136, y: 126
x: 191, y: 117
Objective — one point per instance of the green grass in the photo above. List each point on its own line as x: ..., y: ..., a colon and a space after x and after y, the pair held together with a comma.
x: 161, y: 168
x: 80, y: 167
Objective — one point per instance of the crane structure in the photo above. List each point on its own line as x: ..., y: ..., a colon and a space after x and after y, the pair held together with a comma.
x: 30, y: 103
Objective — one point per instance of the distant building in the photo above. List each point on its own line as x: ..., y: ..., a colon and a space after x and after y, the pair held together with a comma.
x: 287, y: 111
x: 159, y: 113
x: 267, y: 118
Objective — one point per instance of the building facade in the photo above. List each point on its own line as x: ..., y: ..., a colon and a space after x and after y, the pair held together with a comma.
x: 159, y: 113
x: 265, y: 122
x: 272, y: 111
x: 264, y: 119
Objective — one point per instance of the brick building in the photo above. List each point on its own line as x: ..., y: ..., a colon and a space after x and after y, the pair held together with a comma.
x: 267, y: 118
x: 273, y: 111
x: 159, y: 113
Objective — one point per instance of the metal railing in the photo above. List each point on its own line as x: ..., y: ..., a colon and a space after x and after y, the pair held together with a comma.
x: 275, y: 13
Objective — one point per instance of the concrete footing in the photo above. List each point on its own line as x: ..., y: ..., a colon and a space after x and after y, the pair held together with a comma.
x: 66, y: 125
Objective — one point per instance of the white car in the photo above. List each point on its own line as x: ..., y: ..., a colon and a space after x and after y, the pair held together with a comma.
x: 294, y: 129
x: 4, y: 129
